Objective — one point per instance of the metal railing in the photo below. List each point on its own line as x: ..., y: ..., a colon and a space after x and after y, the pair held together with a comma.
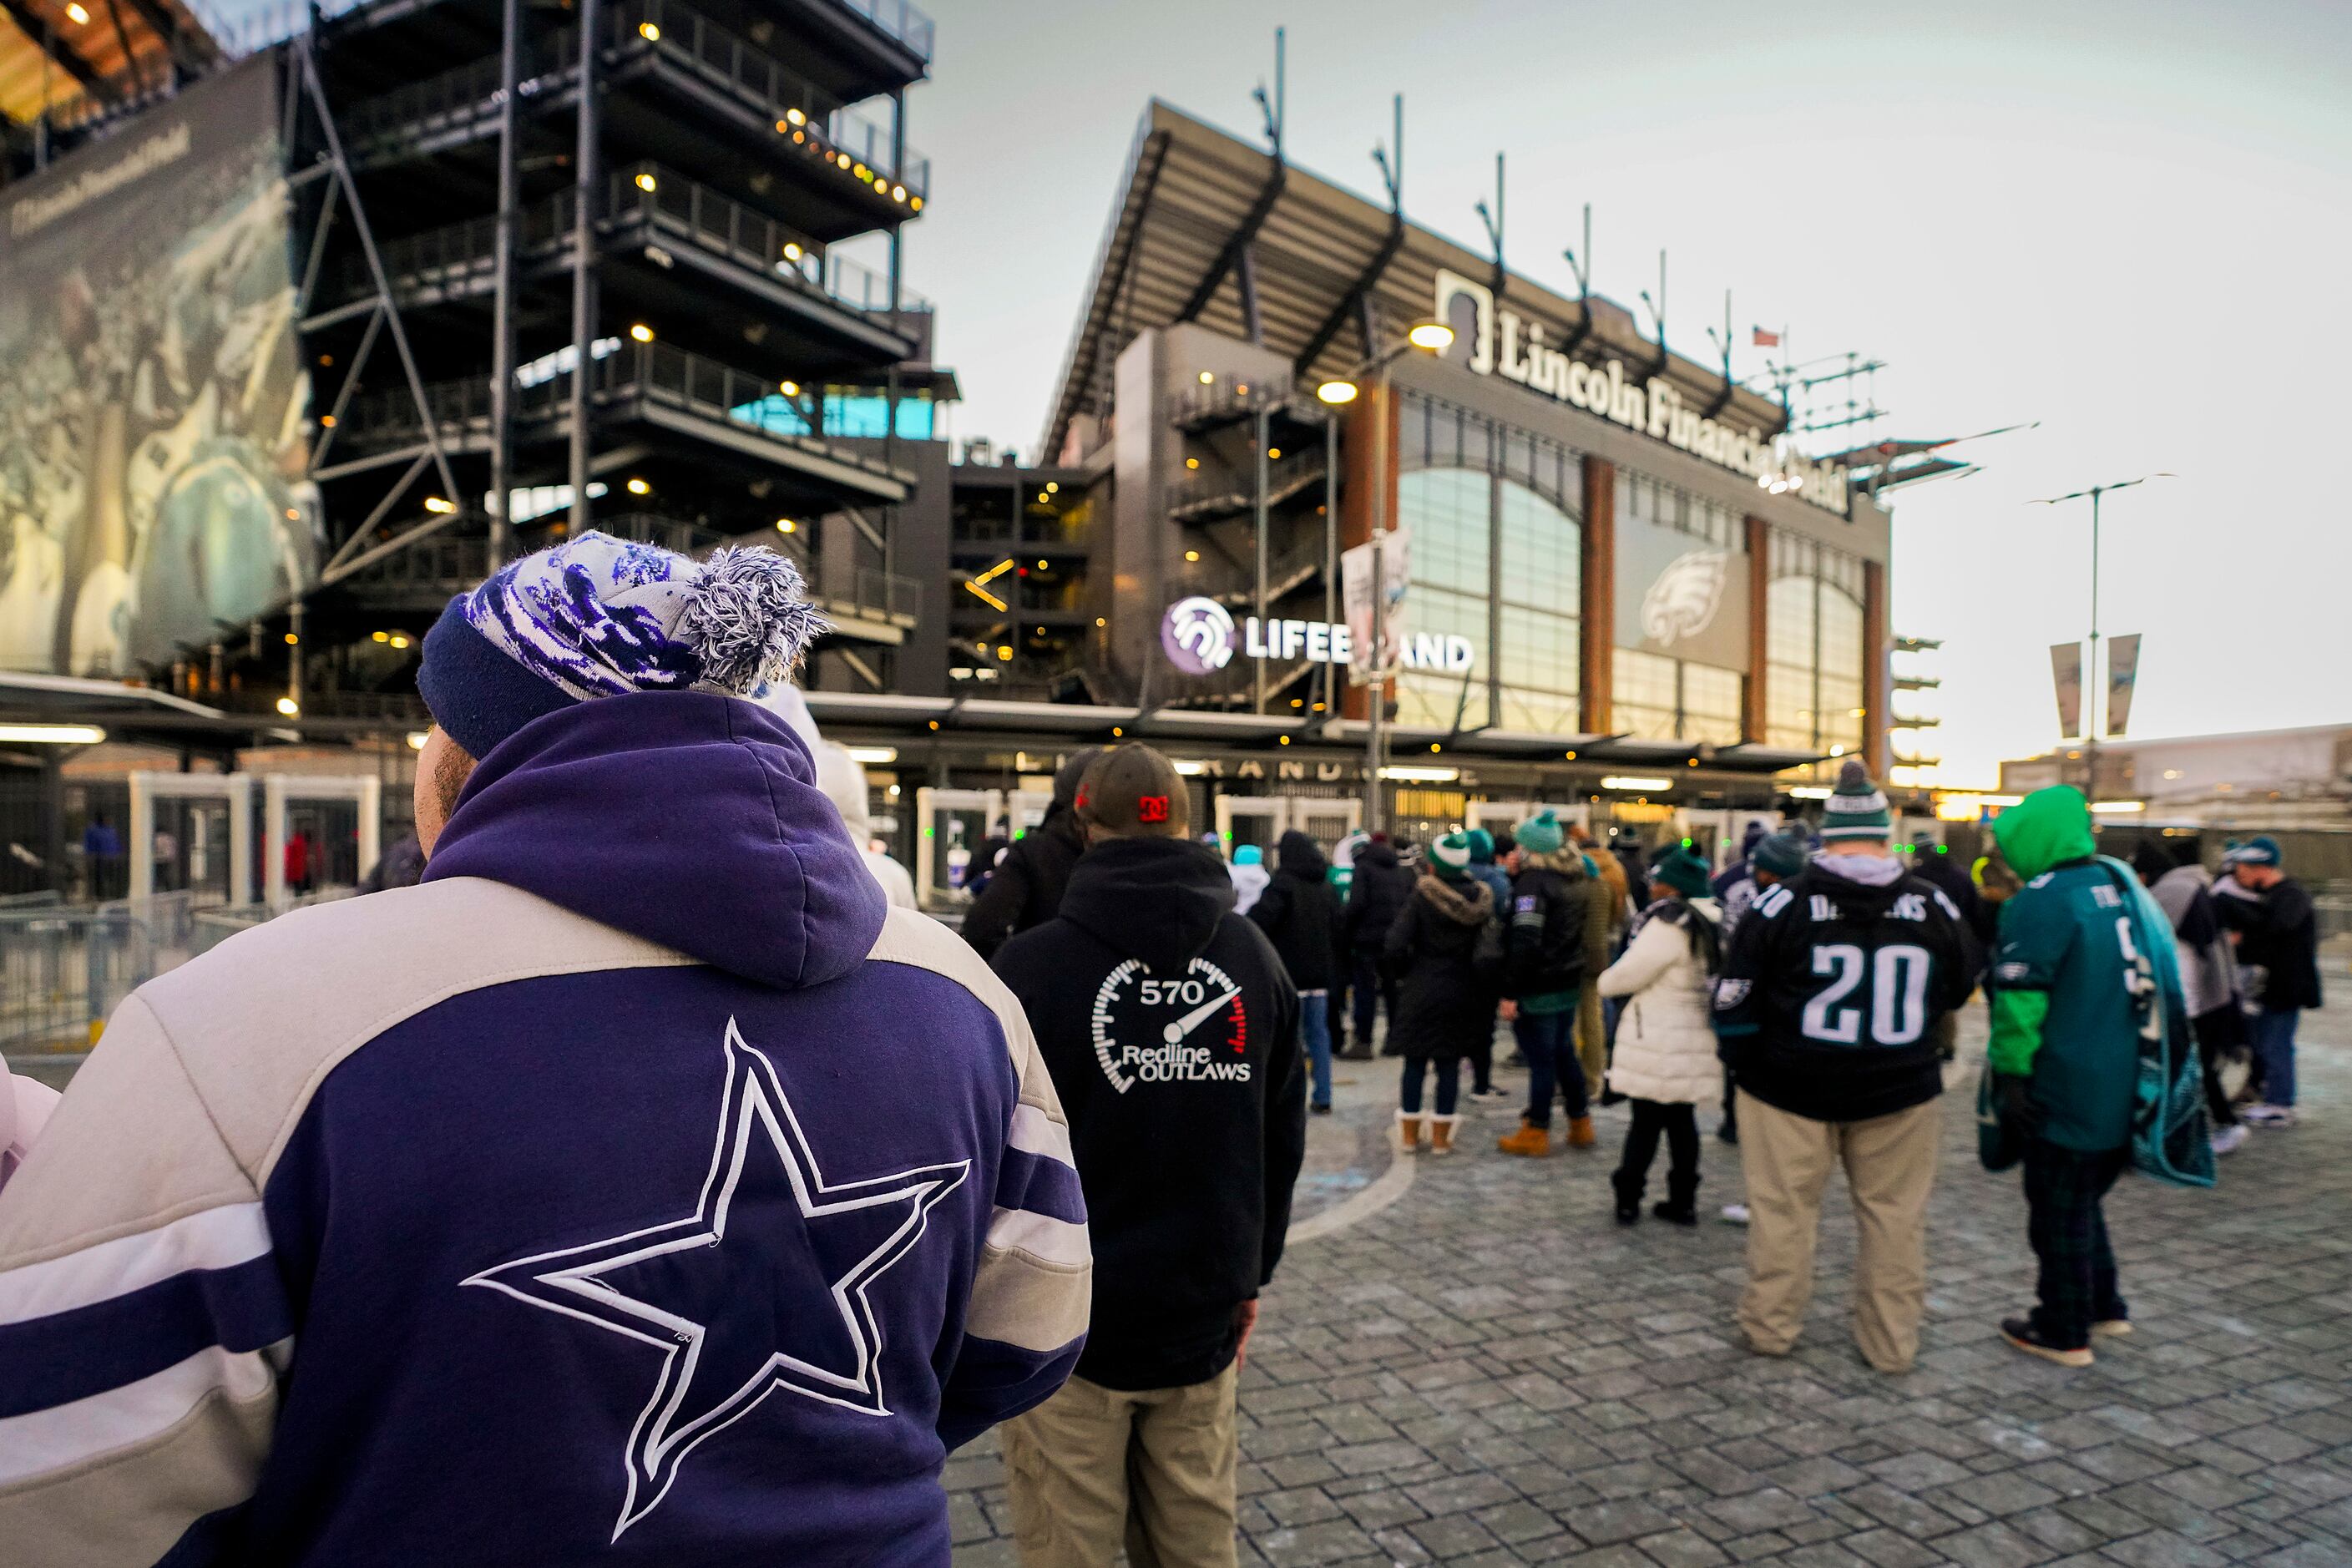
x: 670, y: 203
x: 685, y: 37
x: 1223, y: 491
x: 64, y: 968
x: 895, y: 20
x: 891, y: 594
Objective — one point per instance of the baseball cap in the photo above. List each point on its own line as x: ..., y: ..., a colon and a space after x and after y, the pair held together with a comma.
x: 1132, y: 791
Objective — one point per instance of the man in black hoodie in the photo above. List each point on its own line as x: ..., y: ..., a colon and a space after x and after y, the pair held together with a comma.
x: 1171, y: 1034
x: 1301, y: 918
x: 1025, y: 888
x: 1376, y: 893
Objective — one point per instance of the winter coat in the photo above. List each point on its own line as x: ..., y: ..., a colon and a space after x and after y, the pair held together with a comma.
x: 1446, y: 999
x: 1665, y: 1036
x: 844, y: 781
x: 2278, y: 933
x: 1558, y: 935
x: 1938, y: 869
x: 1026, y: 887
x: 2208, y: 973
x: 1300, y: 915
x: 1619, y: 907
x: 1249, y: 885
x: 1379, y: 890
x: 469, y: 1221
x: 1172, y: 1033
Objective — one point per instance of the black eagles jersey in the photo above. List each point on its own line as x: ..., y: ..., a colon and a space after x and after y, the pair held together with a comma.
x: 1829, y: 995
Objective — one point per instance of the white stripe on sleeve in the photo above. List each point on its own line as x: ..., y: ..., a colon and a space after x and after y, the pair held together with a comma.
x: 45, y: 1440
x: 1040, y: 1235
x: 210, y: 1239
x: 1034, y: 1132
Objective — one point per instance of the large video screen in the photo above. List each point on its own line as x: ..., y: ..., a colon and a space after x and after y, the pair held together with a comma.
x: 153, y: 496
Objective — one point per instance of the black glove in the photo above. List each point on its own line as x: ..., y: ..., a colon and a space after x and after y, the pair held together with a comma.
x: 2013, y: 1101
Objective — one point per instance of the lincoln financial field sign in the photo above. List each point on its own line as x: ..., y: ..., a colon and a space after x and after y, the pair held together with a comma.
x: 1500, y: 341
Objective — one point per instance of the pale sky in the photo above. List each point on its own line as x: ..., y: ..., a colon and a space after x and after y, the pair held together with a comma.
x: 2129, y: 221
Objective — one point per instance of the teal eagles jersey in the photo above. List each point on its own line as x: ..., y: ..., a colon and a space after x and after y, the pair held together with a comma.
x: 2066, y: 943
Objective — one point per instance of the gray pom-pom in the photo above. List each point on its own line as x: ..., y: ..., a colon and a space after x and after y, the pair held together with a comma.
x: 1851, y: 774
x: 748, y: 619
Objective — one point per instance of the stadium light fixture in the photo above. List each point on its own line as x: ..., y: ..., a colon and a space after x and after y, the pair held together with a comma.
x: 642, y: 332
x: 290, y: 708
x: 52, y: 734
x: 639, y: 488
x: 789, y: 388
x: 440, y: 506
x: 79, y: 11
x: 1634, y: 782
x: 1810, y: 792
x: 647, y: 182
x: 1434, y: 336
x: 1337, y: 392
x: 787, y: 525
x: 873, y: 756
x: 1417, y: 775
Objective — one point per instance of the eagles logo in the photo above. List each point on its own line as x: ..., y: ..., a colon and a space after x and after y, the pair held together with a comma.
x: 1683, y: 600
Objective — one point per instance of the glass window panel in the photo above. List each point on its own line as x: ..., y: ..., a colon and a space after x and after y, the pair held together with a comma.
x: 1841, y: 632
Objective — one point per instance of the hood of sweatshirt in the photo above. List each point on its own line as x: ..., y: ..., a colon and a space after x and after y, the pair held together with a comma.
x: 1376, y: 857
x: 2048, y: 827
x: 1157, y: 899
x: 689, y: 819
x: 1301, y: 856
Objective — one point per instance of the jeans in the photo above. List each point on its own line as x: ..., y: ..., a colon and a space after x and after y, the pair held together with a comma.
x: 2221, y: 1034
x: 1449, y: 1085
x: 1482, y: 1055
x: 1315, y: 1029
x: 1548, y: 1042
x: 2069, y: 1231
x: 2274, y: 1049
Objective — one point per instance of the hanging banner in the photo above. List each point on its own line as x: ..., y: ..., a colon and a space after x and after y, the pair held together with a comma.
x: 2123, y: 675
x: 1355, y: 593
x: 1680, y: 597
x: 153, y: 402
x: 2066, y: 666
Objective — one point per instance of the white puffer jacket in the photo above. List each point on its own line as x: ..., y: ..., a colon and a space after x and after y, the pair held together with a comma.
x: 1665, y: 1040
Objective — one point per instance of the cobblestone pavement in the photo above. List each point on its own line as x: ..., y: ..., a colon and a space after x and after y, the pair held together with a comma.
x: 1490, y: 1370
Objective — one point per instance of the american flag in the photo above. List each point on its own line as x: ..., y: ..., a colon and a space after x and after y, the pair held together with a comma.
x: 1765, y: 338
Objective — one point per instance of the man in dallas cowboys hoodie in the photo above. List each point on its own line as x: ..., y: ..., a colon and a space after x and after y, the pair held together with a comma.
x: 633, y: 1190
x: 1172, y: 1033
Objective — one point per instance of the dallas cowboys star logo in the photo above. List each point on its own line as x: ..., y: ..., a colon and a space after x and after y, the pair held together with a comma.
x: 716, y: 1299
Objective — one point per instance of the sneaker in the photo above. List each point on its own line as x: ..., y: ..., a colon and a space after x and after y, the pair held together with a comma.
x: 2269, y: 1116
x: 1735, y: 1214
x: 2111, y: 1328
x: 2021, y: 1334
x: 2229, y: 1139
x: 1324, y: 1110
x: 1492, y: 1092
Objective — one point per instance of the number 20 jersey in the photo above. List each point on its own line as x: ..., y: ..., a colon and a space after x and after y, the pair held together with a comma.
x: 1829, y: 995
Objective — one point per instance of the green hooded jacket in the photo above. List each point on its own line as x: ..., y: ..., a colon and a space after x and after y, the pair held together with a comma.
x: 2064, y: 1013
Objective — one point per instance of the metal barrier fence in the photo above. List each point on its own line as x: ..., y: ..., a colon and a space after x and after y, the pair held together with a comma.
x: 64, y: 968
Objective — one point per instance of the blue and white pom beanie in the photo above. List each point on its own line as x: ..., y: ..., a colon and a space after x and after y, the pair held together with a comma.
x: 599, y: 617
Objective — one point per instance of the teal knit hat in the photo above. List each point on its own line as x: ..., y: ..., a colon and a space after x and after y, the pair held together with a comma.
x: 1451, y: 855
x: 1856, y: 808
x: 1684, y: 871
x: 1482, y: 846
x: 1540, y: 834
x: 1778, y: 853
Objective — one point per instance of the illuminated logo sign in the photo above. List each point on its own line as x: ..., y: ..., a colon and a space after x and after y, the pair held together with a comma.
x: 1500, y: 341
x: 1197, y: 636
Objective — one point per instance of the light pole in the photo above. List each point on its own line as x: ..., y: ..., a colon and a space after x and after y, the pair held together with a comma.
x: 1431, y: 337
x: 2095, y: 691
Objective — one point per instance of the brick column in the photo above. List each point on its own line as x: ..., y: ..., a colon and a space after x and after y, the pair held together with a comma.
x: 1752, y: 714
x: 1876, y: 669
x: 1597, y: 606
x: 1356, y: 481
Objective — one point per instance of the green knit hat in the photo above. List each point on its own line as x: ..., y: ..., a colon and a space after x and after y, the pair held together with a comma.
x: 1856, y: 808
x: 1482, y: 846
x: 1450, y: 856
x: 1540, y: 834
x: 1683, y: 870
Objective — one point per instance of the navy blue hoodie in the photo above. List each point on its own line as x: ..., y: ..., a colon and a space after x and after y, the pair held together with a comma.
x: 631, y: 1191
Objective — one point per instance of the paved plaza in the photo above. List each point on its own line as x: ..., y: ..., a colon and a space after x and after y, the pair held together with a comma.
x: 1487, y: 1370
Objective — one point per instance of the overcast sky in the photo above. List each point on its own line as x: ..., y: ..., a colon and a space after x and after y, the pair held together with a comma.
x: 2130, y: 221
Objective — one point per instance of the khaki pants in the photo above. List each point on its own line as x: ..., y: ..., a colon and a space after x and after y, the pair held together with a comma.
x: 1591, y: 1041
x: 1890, y: 1168
x: 1093, y: 1467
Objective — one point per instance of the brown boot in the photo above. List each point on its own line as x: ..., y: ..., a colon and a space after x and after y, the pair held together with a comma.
x: 1408, y: 1133
x: 1529, y: 1140
x: 1441, y: 1133
x: 1579, y: 1132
